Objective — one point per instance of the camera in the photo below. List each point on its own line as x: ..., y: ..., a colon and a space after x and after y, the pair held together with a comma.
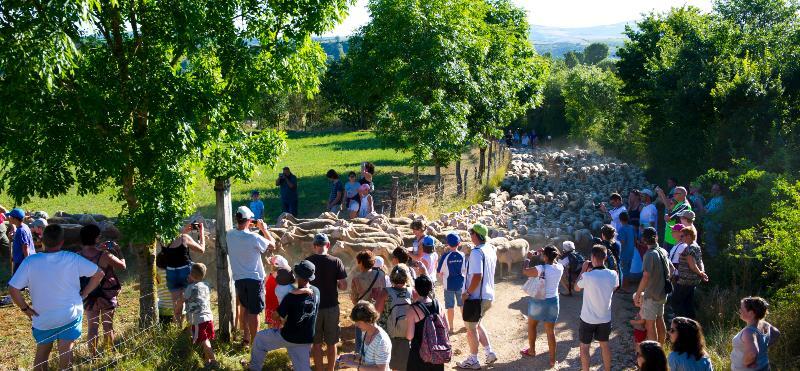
x: 195, y: 226
x: 109, y: 245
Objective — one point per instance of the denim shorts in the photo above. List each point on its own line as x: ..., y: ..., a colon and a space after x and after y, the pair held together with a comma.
x: 543, y: 310
x: 176, y: 277
x: 68, y: 332
x: 452, y: 298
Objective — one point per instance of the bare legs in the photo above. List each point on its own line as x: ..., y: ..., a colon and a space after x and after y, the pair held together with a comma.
x: 64, y: 355
x: 177, y: 306
x: 330, y: 354
x: 656, y: 330
x: 549, y: 329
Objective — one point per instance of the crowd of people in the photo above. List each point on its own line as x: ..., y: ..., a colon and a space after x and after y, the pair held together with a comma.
x: 400, y: 324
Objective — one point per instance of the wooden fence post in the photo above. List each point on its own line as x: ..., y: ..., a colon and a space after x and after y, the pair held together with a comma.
x: 459, y: 185
x: 225, y: 298
x: 466, y: 190
x: 393, y: 195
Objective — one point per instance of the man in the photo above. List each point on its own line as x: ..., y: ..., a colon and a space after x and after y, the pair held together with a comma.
x: 256, y: 205
x: 479, y: 286
x: 22, y: 245
x: 679, y: 205
x: 245, y: 249
x: 711, y: 224
x: 649, y: 215
x: 288, y: 183
x: 451, y: 271
x: 599, y: 284
x: 37, y: 228
x: 337, y: 192
x: 330, y: 278
x: 651, y: 294
x: 298, y: 312
x: 696, y: 199
x: 616, y: 208
x: 53, y: 279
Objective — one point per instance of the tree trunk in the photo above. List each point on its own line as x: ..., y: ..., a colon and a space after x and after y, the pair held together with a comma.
x: 416, y: 180
x: 459, y: 186
x: 438, y: 180
x: 481, y: 165
x: 225, y: 299
x: 489, y: 163
x: 148, y: 310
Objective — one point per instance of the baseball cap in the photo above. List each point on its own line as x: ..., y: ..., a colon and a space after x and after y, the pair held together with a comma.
x: 648, y: 192
x: 678, y: 227
x: 688, y: 214
x: 305, y: 270
x: 453, y: 239
x: 39, y: 223
x: 567, y: 246
x: 321, y: 239
x: 16, y: 213
x: 280, y: 262
x: 480, y: 230
x: 428, y: 241
x: 378, y: 262
x: 245, y: 212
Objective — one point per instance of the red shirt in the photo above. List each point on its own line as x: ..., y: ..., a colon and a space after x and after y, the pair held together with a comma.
x: 270, y: 301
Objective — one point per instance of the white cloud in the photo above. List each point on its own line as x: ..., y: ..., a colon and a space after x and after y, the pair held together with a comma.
x: 558, y: 13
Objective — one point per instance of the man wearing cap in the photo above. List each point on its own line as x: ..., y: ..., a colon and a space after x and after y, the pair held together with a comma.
x: 649, y: 215
x: 37, y: 228
x: 22, y: 246
x: 330, y: 278
x: 451, y: 271
x: 298, y: 312
x: 244, y: 251
x: 256, y: 205
x: 288, y: 183
x: 679, y: 204
x: 479, y: 286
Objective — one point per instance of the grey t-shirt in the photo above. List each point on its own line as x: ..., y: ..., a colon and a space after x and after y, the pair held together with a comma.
x: 655, y: 260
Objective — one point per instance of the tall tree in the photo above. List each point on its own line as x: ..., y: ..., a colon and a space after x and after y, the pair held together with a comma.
x: 594, y: 53
x: 128, y: 95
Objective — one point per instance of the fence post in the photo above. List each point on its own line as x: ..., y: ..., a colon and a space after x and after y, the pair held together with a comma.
x: 466, y: 177
x: 393, y: 196
x: 459, y: 185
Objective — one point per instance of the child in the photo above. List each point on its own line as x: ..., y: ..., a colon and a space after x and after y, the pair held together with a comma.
x: 451, y: 270
x: 198, y: 312
x: 271, y: 299
x: 639, y: 332
x: 165, y: 307
x: 256, y: 205
x: 351, y: 194
x: 365, y: 207
x: 626, y: 237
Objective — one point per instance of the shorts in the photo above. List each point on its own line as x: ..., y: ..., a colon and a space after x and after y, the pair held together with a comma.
x: 639, y: 335
x: 452, y: 298
x: 326, y: 329
x: 250, y: 294
x: 651, y: 309
x: 543, y: 310
x: 354, y: 206
x: 399, y: 358
x: 588, y: 332
x: 203, y: 332
x: 68, y: 332
x: 177, y: 277
x: 485, y: 305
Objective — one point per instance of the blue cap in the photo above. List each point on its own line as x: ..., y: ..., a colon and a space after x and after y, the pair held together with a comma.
x: 453, y: 239
x: 16, y: 213
x: 428, y: 241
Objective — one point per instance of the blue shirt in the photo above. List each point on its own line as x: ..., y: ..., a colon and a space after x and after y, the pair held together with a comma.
x: 684, y: 362
x: 257, y: 207
x: 336, y: 187
x: 22, y: 236
x: 626, y: 235
x: 452, y: 264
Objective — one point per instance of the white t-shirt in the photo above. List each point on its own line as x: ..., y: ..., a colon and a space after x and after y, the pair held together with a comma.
x: 552, y: 277
x: 648, y: 216
x: 54, y: 281
x: 615, y: 216
x: 598, y: 286
x: 476, y: 266
x: 244, y: 250
x: 431, y: 260
x: 675, y: 253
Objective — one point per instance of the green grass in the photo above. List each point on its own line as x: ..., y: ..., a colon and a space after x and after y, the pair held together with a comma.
x: 310, y: 155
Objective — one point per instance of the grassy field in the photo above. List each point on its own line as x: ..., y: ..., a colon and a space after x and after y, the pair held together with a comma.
x: 310, y: 156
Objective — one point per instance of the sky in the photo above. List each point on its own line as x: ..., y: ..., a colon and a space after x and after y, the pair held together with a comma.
x: 558, y: 13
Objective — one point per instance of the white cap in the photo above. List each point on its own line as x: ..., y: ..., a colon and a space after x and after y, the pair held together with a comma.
x: 567, y: 246
x: 40, y: 222
x: 245, y: 212
x: 378, y: 262
x: 280, y: 262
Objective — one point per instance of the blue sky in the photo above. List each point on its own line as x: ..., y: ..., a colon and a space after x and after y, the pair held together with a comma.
x: 556, y: 13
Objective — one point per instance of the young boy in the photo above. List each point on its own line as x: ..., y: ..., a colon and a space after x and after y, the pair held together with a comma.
x: 639, y: 332
x: 198, y: 312
x: 256, y: 205
x: 451, y: 270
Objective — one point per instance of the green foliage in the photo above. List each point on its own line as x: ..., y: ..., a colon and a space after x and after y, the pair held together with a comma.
x: 594, y: 53
x: 549, y: 118
x: 592, y: 103
x: 572, y: 58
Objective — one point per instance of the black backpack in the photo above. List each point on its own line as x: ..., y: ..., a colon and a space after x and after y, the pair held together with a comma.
x: 576, y: 261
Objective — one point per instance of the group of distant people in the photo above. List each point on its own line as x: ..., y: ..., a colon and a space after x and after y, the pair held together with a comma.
x: 517, y: 138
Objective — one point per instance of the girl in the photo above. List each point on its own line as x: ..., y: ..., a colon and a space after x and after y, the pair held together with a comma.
x: 545, y: 310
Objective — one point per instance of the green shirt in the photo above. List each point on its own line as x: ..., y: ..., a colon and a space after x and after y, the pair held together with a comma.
x: 673, y: 215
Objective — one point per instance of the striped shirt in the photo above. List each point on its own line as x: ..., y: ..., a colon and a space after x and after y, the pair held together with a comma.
x: 377, y: 352
x: 165, y: 307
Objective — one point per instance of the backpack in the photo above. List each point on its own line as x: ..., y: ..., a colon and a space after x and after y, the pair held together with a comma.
x: 109, y: 286
x: 576, y: 261
x: 436, y: 348
x: 399, y: 301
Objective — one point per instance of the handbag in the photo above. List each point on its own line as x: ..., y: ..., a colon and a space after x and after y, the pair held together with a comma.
x: 471, y: 312
x: 535, y: 287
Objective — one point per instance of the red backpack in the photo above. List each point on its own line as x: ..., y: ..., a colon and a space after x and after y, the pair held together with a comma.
x: 436, y: 348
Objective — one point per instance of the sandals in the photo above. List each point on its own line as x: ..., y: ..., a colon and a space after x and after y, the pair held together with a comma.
x: 527, y: 353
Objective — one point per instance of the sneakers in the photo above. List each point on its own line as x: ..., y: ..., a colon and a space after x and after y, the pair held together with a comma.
x: 491, y: 358
x: 470, y: 363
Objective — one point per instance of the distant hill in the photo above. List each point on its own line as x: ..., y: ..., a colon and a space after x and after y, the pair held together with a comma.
x: 334, y: 46
x: 559, y: 40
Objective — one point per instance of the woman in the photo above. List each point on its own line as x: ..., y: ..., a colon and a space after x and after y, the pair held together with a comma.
x: 634, y: 208
x: 750, y: 345
x: 399, y: 297
x: 179, y: 263
x: 650, y: 356
x: 365, y: 201
x: 100, y: 305
x: 351, y: 194
x: 415, y: 316
x: 691, y: 272
x: 688, y: 346
x: 545, y: 310
x: 376, y: 349
x: 367, y: 284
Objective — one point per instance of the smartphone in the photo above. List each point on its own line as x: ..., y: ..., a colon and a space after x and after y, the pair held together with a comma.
x: 195, y: 226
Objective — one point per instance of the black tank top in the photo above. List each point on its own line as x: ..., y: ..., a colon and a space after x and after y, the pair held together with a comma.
x: 177, y: 257
x: 415, y: 361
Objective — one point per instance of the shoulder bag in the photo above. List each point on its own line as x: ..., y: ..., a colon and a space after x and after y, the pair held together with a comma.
x: 471, y: 312
x: 665, y: 267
